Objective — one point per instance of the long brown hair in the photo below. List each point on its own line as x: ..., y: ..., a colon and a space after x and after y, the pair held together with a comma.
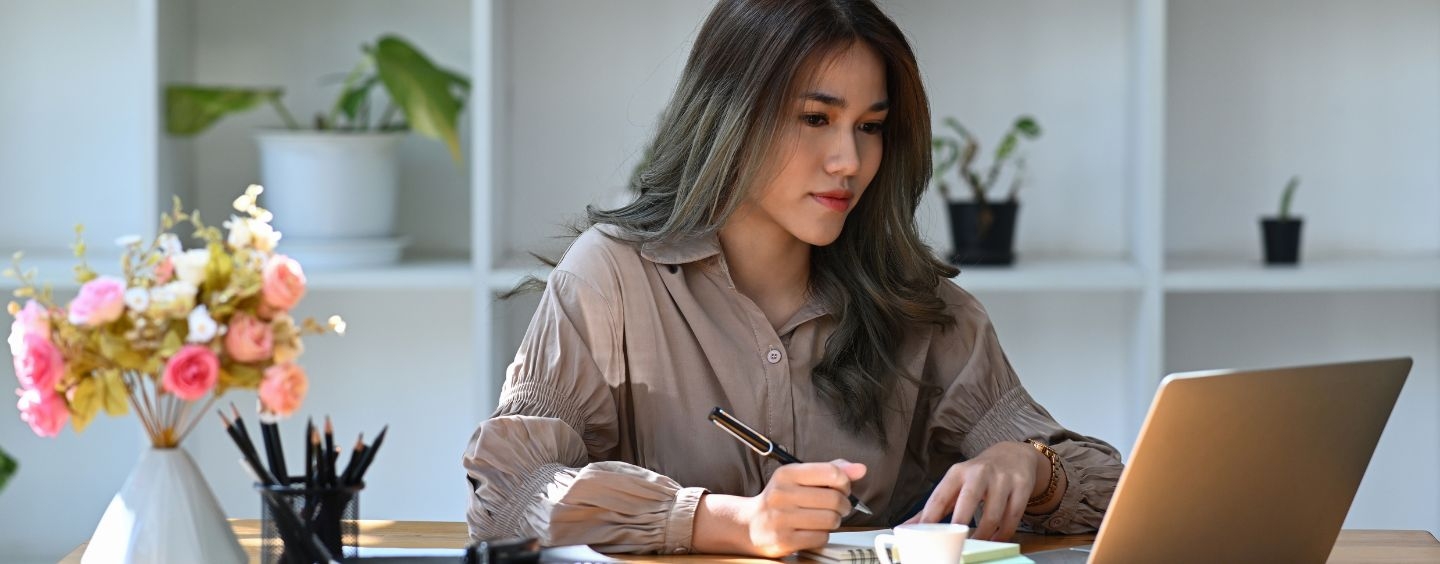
x: 709, y: 151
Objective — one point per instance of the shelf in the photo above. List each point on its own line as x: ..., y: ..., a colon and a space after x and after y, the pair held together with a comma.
x: 1338, y: 274
x: 434, y: 274
x: 430, y: 273
x: 1053, y: 274
x: 1039, y: 274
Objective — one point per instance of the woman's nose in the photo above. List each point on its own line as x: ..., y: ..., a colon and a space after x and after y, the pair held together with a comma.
x: 844, y: 157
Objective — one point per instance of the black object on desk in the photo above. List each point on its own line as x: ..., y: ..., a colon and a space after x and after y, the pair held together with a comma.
x: 763, y: 446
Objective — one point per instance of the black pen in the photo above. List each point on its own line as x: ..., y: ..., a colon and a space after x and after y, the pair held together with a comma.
x: 763, y: 446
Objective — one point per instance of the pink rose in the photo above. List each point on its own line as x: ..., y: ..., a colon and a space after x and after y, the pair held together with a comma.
x: 30, y: 320
x: 192, y: 372
x: 248, y: 339
x: 39, y: 364
x: 101, y: 301
x: 283, y: 388
x: 44, y: 411
x: 283, y: 283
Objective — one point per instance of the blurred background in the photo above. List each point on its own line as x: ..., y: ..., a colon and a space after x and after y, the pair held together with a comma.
x: 1170, y: 129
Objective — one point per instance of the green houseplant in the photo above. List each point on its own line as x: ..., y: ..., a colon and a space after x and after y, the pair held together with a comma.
x: 983, y: 229
x: 1282, y: 232
x: 333, y: 179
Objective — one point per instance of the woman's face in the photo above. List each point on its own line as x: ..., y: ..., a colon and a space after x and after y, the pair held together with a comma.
x: 829, y: 148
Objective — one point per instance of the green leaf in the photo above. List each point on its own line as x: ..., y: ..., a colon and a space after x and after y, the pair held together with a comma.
x: 84, y: 403
x: 1028, y: 127
x: 8, y: 466
x: 190, y: 110
x: 1006, y: 147
x: 421, y: 90
x: 112, y: 394
x: 236, y: 375
x: 172, y: 342
x: 353, y: 98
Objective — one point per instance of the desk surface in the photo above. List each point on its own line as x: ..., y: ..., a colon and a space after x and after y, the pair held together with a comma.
x: 1352, y: 546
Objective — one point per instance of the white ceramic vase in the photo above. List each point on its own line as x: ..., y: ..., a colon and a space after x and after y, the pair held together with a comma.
x: 165, y: 513
x: 333, y: 195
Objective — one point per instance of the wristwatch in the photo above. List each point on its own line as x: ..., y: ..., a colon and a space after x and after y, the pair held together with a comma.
x: 1055, y: 470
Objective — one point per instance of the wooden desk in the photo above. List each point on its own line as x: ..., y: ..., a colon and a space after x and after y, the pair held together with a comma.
x: 1352, y: 546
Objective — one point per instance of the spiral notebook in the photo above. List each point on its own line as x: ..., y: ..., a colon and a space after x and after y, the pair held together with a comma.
x: 859, y: 547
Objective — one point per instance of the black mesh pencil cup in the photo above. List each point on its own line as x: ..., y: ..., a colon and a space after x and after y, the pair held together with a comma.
x: 324, y: 515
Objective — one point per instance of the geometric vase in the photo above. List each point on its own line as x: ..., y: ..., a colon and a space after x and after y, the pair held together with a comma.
x: 164, y: 513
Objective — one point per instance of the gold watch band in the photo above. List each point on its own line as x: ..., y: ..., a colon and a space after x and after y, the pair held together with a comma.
x: 1055, y: 470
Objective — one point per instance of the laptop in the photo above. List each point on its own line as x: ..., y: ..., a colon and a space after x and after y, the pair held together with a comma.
x: 1246, y: 466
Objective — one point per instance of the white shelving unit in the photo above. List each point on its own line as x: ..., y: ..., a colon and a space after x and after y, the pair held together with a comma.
x: 1169, y: 128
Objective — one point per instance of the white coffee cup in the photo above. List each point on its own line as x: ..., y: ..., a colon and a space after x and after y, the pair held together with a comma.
x: 924, y: 543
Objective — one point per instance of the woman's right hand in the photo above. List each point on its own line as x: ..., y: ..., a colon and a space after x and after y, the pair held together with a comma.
x: 799, y: 507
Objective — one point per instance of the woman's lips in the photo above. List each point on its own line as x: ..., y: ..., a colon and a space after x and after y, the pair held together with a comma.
x: 838, y: 200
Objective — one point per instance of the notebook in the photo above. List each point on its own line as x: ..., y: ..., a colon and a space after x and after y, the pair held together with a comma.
x: 859, y: 547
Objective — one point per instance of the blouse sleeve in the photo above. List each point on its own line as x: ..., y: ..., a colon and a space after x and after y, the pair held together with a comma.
x: 539, y: 466
x: 985, y: 404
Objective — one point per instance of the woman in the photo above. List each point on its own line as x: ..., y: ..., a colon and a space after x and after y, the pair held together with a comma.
x: 771, y: 265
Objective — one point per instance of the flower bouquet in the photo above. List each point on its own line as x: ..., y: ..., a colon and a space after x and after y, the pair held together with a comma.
x: 178, y: 328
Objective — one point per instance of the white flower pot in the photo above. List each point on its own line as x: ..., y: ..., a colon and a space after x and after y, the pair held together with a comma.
x: 332, y: 190
x: 164, y: 513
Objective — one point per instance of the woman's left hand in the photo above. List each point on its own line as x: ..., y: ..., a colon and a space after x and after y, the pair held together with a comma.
x: 1003, y: 477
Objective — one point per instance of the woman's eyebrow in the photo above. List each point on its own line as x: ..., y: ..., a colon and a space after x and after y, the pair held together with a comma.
x: 839, y: 102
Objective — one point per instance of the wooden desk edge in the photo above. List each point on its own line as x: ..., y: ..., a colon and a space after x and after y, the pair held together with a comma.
x: 1353, y: 545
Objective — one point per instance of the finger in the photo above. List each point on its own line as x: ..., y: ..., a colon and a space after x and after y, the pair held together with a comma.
x: 819, y: 474
x: 1013, y: 511
x: 966, y: 502
x: 812, y: 519
x: 852, y: 470
x: 802, y: 540
x: 997, y: 500
x: 817, y: 498
x: 912, y: 520
x: 943, y: 498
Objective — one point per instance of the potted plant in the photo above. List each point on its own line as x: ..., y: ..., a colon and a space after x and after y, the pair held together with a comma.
x: 982, y: 228
x: 1282, y: 232
x: 332, y: 185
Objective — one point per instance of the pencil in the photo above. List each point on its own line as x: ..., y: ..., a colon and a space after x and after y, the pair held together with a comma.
x: 370, y: 455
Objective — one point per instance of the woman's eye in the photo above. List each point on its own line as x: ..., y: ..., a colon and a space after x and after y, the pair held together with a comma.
x: 814, y: 120
x: 873, y: 127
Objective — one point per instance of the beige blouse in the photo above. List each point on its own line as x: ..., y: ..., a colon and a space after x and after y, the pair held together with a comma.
x: 601, y: 434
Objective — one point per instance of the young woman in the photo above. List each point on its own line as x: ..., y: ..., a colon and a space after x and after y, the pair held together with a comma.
x: 771, y: 265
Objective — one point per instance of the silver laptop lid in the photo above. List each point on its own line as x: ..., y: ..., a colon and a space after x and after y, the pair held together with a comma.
x: 1249, y: 466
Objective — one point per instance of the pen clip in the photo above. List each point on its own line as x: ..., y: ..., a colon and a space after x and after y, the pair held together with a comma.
x: 743, y: 432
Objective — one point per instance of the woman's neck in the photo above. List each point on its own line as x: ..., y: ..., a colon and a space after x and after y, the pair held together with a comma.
x: 768, y: 264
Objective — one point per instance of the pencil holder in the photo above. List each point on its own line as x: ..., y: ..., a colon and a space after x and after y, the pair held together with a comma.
x: 329, y: 514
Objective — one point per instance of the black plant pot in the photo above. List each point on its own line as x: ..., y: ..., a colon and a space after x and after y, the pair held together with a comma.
x: 1282, y: 240
x: 983, y: 235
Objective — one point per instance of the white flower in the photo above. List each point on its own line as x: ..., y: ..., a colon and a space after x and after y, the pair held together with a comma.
x: 202, y: 326
x: 169, y: 244
x: 240, y: 235
x: 137, y: 299
x: 172, y: 300
x: 190, y: 265
x: 127, y: 240
x: 263, y: 236
x: 248, y: 232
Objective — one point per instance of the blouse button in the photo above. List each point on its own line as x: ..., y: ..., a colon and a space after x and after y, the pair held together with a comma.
x: 773, y: 356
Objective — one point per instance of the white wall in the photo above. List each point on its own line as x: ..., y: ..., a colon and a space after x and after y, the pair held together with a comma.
x: 1342, y: 93
x: 75, y: 100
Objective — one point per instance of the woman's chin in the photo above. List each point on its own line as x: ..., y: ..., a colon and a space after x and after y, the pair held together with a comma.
x: 819, y: 235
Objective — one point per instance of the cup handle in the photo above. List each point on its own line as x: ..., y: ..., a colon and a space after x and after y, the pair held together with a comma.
x: 882, y: 547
